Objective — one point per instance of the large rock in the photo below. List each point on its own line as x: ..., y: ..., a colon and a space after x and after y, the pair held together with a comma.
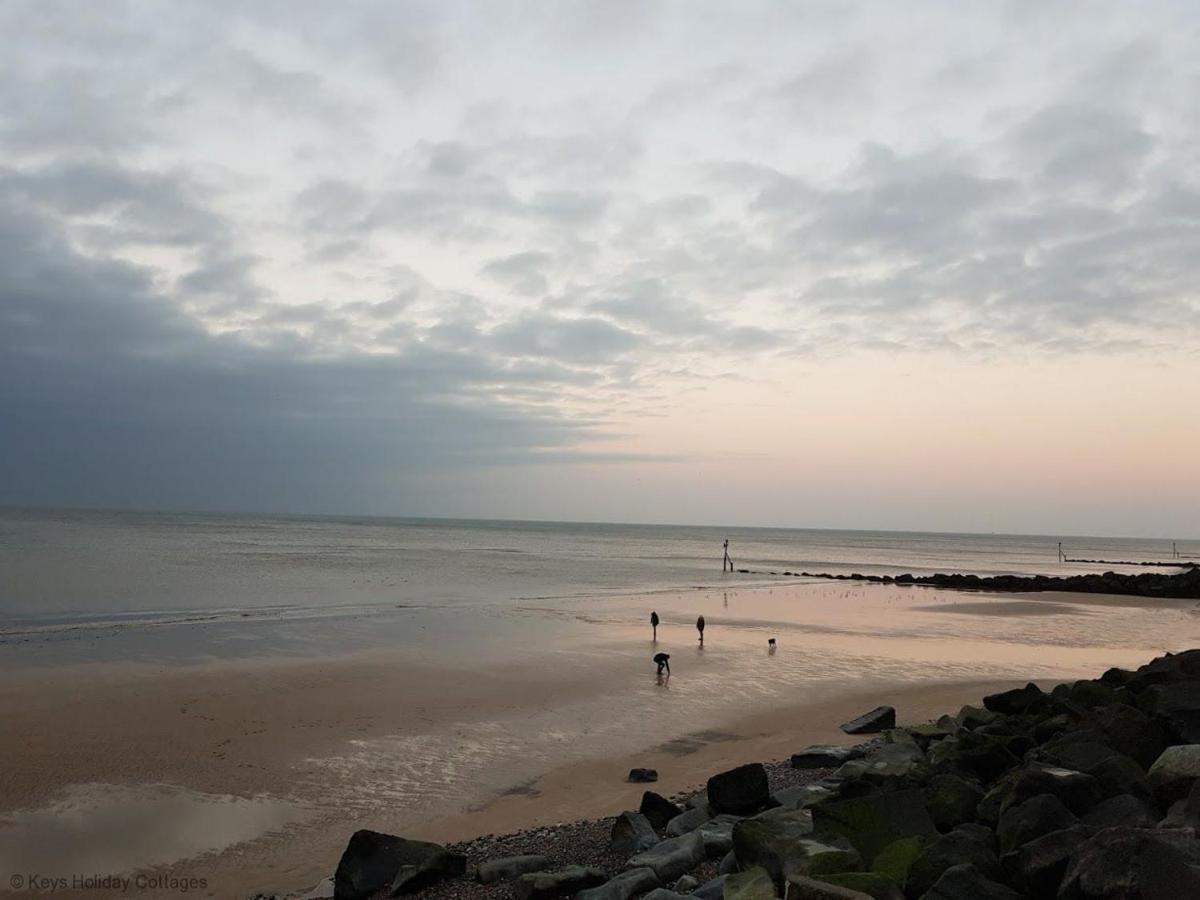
x: 1018, y: 700
x: 872, y: 822
x: 951, y: 800
x: 1123, y: 809
x: 871, y: 884
x: 1125, y: 863
x: 873, y: 722
x: 1078, y: 792
x: 658, y: 809
x: 1132, y: 732
x: 561, y: 883
x: 892, y: 762
x: 972, y: 845
x: 1115, y: 772
x: 506, y: 868
x: 632, y: 833
x: 965, y: 882
x: 711, y: 890
x: 895, y: 860
x: 374, y: 862
x: 778, y: 840
x: 673, y: 857
x: 717, y: 834
x: 1173, y: 772
x: 826, y: 756
x: 1038, y: 866
x: 1178, y: 706
x: 801, y: 795
x: 688, y: 821
x: 753, y: 884
x: 984, y: 756
x: 623, y: 886
x: 665, y: 894
x: 801, y: 887
x: 1031, y: 819
x: 767, y: 839
x: 742, y: 790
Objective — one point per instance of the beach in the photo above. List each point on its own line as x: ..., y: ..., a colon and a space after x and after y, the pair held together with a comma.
x: 250, y: 773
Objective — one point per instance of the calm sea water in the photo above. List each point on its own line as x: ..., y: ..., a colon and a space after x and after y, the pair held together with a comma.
x: 70, y: 575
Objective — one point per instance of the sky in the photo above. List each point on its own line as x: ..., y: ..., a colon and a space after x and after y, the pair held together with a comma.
x: 929, y: 265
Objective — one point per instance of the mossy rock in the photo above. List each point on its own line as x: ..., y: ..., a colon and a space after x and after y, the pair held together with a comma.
x: 753, y: 884
x: 894, y: 860
x: 873, y: 822
x: 872, y: 884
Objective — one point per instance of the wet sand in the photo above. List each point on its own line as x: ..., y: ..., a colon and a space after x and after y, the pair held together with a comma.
x: 252, y: 774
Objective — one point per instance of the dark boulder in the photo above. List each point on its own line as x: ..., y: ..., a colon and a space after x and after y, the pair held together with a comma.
x: 826, y: 756
x: 672, y: 858
x: 1129, y: 864
x: 1016, y: 701
x: 1177, y: 706
x: 374, y: 862
x: 951, y: 800
x: 643, y: 775
x: 632, y: 833
x: 742, y: 790
x: 1123, y: 809
x: 1038, y: 866
x: 658, y: 809
x: 623, y: 886
x: 506, y: 868
x: 1078, y: 792
x: 873, y: 822
x: 976, y: 846
x: 1133, y: 733
x: 1031, y: 819
x: 965, y: 882
x: 873, y: 722
x: 984, y: 756
x: 1173, y: 773
x: 561, y: 883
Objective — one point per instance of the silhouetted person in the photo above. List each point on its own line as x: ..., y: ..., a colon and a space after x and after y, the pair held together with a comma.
x: 664, y: 662
x: 654, y: 624
x: 700, y: 628
x: 727, y: 561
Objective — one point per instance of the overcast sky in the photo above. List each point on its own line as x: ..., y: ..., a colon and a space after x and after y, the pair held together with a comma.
x: 919, y: 265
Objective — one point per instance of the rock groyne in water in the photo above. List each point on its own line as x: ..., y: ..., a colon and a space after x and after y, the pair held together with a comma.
x: 1180, y: 585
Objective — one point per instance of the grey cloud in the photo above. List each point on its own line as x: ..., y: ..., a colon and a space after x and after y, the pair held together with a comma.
x: 522, y: 272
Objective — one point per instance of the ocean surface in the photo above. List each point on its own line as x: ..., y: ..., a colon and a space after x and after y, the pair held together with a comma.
x: 84, y: 585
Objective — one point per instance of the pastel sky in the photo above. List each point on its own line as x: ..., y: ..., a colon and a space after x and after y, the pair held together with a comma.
x: 922, y: 265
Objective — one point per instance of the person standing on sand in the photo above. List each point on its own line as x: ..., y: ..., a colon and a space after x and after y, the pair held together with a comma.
x: 727, y: 561
x: 654, y: 624
x: 700, y: 628
x: 664, y: 662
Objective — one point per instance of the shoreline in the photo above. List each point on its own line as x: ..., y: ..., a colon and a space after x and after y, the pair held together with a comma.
x: 306, y: 750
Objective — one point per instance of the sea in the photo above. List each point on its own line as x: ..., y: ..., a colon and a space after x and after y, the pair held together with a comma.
x: 82, y: 585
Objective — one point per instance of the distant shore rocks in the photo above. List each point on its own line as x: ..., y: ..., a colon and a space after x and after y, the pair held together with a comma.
x: 1183, y: 585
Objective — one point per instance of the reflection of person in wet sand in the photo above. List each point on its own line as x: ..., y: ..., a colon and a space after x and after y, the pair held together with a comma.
x: 664, y: 662
x: 654, y: 624
x: 700, y: 628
